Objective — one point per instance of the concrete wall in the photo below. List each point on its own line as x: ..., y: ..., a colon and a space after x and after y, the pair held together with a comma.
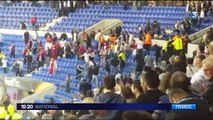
x: 104, y: 25
x: 24, y: 85
x: 198, y: 35
x: 39, y: 95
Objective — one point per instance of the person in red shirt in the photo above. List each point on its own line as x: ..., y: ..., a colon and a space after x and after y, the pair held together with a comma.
x: 33, y: 20
x: 133, y: 45
x: 29, y: 44
x: 81, y: 49
x: 40, y: 45
x: 54, y: 52
x: 24, y: 54
x: 53, y: 66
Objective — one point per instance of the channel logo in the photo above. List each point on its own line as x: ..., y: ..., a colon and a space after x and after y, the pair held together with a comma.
x: 184, y: 106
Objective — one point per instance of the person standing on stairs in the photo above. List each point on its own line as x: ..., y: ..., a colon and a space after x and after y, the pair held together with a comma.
x: 26, y: 37
x: 4, y: 65
x: 61, y: 4
x: 33, y: 21
x: 12, y: 49
x: 29, y: 60
x: 52, y: 66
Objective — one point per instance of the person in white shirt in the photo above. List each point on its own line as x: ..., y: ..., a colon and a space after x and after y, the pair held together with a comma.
x: 190, y: 69
x: 116, y: 47
x: 119, y: 83
x: 21, y: 65
x: 98, y: 35
x: 74, y: 35
x: 4, y: 65
x: 149, y: 61
x: 199, y: 80
x: 1, y: 37
x: 139, y: 45
x: 62, y: 43
x: 87, y: 56
x: 130, y: 37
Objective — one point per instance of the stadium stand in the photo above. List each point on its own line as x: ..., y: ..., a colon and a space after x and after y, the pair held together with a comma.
x: 70, y: 65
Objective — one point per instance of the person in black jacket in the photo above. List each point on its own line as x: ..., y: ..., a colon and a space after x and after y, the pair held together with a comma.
x: 157, y: 53
x: 40, y: 59
x: 139, y: 59
x: 122, y: 64
x: 114, y: 62
x: 29, y: 61
x: 26, y: 37
x: 118, y: 30
x: 107, y: 68
x: 88, y: 42
x: 67, y: 50
x: 67, y: 84
x: 16, y: 68
x: 178, y: 95
x: 95, y: 71
x: 79, y: 70
x: 150, y: 83
x: 109, y: 96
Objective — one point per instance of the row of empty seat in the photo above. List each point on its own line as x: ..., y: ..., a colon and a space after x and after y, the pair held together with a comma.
x: 13, y: 12
x: 131, y: 18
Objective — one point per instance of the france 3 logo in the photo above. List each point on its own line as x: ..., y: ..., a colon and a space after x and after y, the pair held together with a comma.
x: 193, y: 14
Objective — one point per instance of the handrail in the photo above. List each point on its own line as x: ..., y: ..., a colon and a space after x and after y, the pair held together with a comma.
x: 195, y: 36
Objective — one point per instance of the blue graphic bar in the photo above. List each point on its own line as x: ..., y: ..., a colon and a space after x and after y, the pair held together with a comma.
x: 43, y: 106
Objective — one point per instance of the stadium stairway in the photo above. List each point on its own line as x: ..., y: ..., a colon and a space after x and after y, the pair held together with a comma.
x: 51, y: 23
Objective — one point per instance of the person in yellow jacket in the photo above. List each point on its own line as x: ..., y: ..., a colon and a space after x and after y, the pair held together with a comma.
x: 11, y: 109
x: 122, y: 55
x: 3, y: 111
x: 168, y: 45
x: 178, y: 44
x: 15, y: 116
x: 1, y: 56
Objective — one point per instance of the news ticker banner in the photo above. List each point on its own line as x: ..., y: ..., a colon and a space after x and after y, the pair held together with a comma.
x: 98, y: 106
